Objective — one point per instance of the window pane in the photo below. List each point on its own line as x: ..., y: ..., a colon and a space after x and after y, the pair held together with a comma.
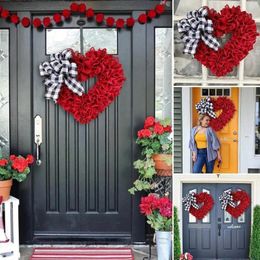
x: 253, y: 7
x: 182, y: 7
x: 227, y: 217
x: 4, y: 92
x: 219, y: 4
x: 192, y: 219
x: 163, y: 75
x: 185, y: 65
x: 100, y: 39
x: 252, y: 61
x: 60, y: 39
x: 257, y: 126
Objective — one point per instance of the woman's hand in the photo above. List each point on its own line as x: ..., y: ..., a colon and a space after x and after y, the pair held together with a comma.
x: 194, y: 157
x: 219, y: 157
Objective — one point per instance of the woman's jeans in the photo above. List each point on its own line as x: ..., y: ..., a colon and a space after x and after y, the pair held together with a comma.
x: 201, y: 161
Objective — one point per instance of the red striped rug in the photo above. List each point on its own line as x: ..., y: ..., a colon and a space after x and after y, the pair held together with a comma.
x: 89, y: 253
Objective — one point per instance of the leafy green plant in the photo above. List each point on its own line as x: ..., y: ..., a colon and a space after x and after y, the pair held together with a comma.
x: 154, y: 138
x: 177, y: 241
x: 15, y: 167
x: 255, y: 236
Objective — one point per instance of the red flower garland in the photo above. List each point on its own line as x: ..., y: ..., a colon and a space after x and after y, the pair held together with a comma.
x: 207, y: 201
x: 244, y: 202
x: 243, y: 30
x: 88, y: 12
x: 110, y: 79
x: 228, y: 110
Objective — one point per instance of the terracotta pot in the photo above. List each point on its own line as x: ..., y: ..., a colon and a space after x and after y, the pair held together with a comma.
x: 162, y: 166
x: 5, y: 188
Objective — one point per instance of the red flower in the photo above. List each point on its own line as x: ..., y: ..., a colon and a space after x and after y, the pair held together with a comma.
x: 151, y: 14
x: 57, y: 18
x: 30, y: 159
x: 110, y: 21
x: 99, y: 18
x: 74, y: 7
x: 144, y: 133
x: 19, y: 164
x: 120, y: 23
x: 142, y: 18
x: 168, y: 129
x: 82, y: 8
x: 46, y: 21
x: 149, y: 122
x: 158, y: 129
x: 147, y: 204
x: 3, y: 162
x: 130, y: 22
x: 26, y: 22
x: 90, y: 13
x: 37, y: 22
x: 160, y: 9
x: 15, y: 19
x: 12, y: 157
x: 5, y: 13
x: 66, y: 13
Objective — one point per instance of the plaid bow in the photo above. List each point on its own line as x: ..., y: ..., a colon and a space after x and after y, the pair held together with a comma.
x: 190, y: 200
x: 195, y: 27
x: 60, y: 71
x: 205, y: 106
x: 226, y: 199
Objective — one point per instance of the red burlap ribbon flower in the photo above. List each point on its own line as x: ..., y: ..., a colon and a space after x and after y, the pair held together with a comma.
x: 243, y: 30
x: 228, y: 110
x: 109, y: 81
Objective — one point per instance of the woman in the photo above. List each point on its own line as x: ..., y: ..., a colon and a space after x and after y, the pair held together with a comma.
x: 204, y: 146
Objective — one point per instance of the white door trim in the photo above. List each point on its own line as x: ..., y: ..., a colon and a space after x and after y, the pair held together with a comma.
x: 180, y: 179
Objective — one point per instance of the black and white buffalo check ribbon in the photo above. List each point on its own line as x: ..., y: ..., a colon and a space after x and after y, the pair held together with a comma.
x: 197, y: 27
x: 227, y: 199
x: 190, y: 200
x: 58, y: 71
x: 205, y: 106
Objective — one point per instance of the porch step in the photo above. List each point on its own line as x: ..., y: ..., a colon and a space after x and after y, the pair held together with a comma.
x: 82, y: 253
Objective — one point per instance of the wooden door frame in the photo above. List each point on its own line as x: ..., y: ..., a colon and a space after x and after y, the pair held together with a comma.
x: 21, y: 120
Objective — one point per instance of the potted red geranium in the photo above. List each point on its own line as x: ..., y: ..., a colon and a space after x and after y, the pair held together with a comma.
x: 13, y: 168
x: 159, y: 216
x: 186, y: 256
x: 156, y: 140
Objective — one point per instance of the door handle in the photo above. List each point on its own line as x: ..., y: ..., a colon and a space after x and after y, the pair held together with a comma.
x: 219, y: 230
x: 38, y: 138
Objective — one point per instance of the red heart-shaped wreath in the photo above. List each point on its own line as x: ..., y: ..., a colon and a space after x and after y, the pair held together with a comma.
x: 228, y: 110
x: 243, y: 30
x: 207, y: 204
x: 110, y: 79
x: 243, y: 202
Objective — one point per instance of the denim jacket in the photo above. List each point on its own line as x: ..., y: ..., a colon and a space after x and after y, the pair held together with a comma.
x: 213, y: 143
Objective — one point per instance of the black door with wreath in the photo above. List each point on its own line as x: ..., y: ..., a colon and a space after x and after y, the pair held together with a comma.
x: 218, y: 235
x: 79, y: 192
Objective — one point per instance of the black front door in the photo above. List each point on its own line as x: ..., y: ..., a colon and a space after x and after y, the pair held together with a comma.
x: 80, y: 189
x: 218, y: 235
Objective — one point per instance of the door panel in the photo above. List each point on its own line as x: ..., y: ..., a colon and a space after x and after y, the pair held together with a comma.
x: 222, y: 236
x: 228, y: 136
x: 80, y: 190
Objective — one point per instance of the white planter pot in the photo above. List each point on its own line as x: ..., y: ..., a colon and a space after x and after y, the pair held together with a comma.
x: 164, y: 244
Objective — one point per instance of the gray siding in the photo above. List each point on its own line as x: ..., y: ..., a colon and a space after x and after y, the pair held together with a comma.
x: 177, y: 129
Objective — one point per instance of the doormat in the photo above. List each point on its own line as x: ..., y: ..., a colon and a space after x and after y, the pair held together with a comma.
x: 82, y: 253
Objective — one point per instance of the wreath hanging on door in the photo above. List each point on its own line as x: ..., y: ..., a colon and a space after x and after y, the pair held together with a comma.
x: 210, y: 106
x: 235, y: 202
x: 199, y: 205
x: 66, y: 70
x: 202, y: 30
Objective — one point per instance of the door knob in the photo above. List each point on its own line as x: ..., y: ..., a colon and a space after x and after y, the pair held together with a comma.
x: 235, y: 132
x: 38, y: 138
x: 235, y: 140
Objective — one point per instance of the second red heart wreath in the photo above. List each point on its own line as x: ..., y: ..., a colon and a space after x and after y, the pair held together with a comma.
x: 66, y: 70
x: 203, y: 28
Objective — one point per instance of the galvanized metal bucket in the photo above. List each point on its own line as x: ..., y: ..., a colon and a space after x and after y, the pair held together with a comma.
x: 164, y: 245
